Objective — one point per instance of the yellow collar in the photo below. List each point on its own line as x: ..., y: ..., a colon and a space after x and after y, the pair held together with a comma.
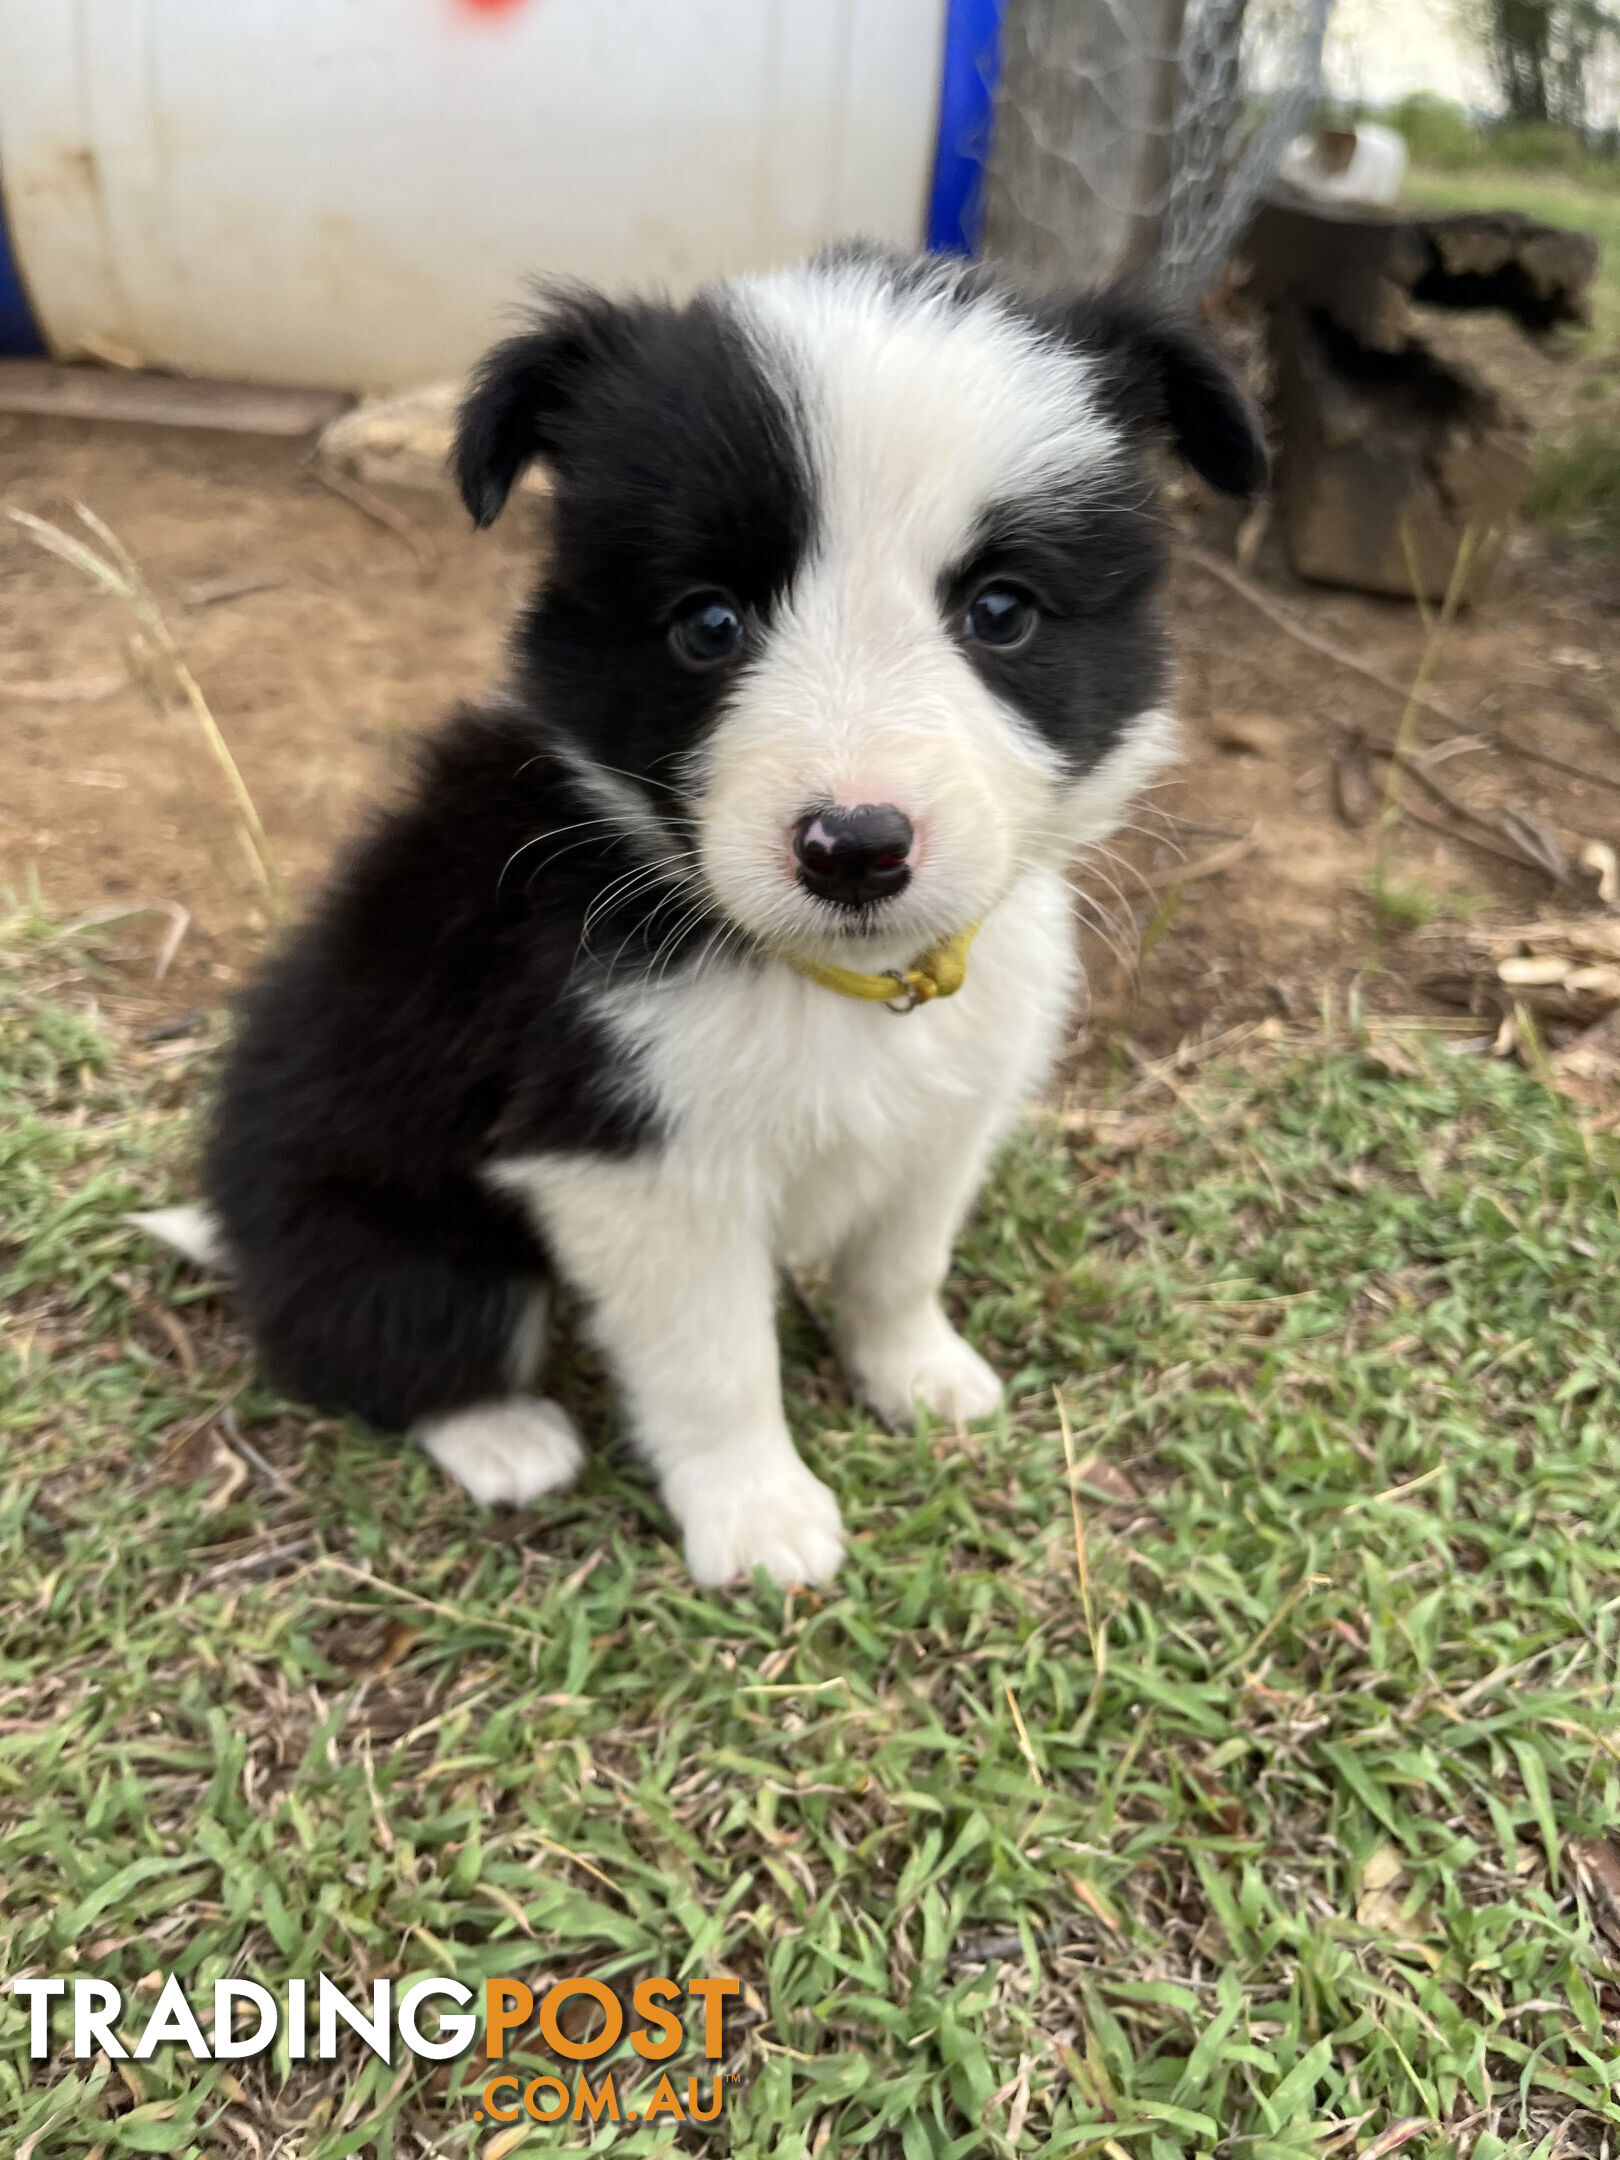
x: 939, y: 973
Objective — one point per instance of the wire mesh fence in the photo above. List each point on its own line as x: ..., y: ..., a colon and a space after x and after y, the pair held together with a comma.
x: 1136, y: 133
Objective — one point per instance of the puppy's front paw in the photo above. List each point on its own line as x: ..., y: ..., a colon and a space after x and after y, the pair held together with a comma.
x: 926, y: 1363
x: 505, y: 1453
x: 770, y: 1513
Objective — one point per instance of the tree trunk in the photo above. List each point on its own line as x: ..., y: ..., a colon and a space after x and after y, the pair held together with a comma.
x: 1085, y: 114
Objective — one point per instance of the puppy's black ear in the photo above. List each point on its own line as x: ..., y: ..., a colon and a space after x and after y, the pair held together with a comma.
x: 1164, y: 376
x: 521, y: 395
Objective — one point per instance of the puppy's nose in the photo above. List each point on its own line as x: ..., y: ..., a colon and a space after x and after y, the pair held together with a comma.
x: 854, y: 856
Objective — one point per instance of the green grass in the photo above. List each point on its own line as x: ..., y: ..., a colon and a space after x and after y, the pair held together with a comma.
x: 1575, y: 487
x: 1441, y: 135
x: 1278, y: 1862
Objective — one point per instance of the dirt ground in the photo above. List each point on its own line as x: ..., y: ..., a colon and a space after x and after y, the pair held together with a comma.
x: 325, y: 641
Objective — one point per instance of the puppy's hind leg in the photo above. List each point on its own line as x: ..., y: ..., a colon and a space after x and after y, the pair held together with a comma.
x: 505, y: 1453
x: 510, y: 1451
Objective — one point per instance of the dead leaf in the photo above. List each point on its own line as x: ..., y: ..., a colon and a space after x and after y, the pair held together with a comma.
x: 1094, y: 1903
x: 1202, y: 866
x: 1588, y: 936
x: 1384, y: 1866
x: 1253, y: 734
x: 1595, y: 1864
x: 233, y: 1475
x: 63, y: 693
x: 1599, y: 861
x: 1528, y: 832
x: 399, y: 1640
x: 1398, y: 2134
x: 1594, y: 1056
x: 1389, y: 1057
x: 238, y: 2127
x: 1355, y: 791
x: 1104, y: 1477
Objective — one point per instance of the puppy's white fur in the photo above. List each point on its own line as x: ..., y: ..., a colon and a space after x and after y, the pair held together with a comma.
x: 191, y: 1229
x: 815, y: 1129
x: 506, y: 1453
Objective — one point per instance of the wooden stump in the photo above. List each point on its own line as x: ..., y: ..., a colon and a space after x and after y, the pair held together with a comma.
x: 1381, y: 437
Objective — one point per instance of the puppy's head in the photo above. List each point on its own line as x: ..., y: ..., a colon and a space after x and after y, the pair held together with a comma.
x: 853, y: 576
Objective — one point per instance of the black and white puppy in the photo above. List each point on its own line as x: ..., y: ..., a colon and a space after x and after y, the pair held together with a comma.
x: 845, y: 646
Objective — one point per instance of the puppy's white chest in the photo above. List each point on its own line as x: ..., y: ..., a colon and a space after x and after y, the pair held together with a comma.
x: 790, y: 1102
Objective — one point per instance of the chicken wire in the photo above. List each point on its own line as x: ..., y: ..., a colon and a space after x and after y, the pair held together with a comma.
x: 1137, y: 133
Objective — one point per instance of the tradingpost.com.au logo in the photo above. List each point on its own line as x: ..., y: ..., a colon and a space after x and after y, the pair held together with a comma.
x: 310, y: 2026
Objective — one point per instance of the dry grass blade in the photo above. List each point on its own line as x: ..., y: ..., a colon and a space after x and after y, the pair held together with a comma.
x: 1024, y: 1747
x: 169, y: 945
x: 1417, y: 698
x: 1094, y: 1635
x: 118, y: 574
x: 62, y: 693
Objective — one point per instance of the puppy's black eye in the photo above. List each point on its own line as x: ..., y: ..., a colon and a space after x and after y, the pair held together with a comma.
x: 1001, y: 616
x: 708, y: 629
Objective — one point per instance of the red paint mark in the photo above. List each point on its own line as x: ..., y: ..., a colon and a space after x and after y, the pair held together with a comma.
x: 490, y: 7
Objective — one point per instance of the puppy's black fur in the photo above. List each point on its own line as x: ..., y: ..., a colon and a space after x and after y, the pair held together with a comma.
x: 425, y: 1018
x: 440, y: 1008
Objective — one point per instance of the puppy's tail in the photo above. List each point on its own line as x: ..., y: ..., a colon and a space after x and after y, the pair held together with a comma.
x: 193, y: 1231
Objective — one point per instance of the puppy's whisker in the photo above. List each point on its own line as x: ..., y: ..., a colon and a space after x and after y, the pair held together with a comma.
x: 670, y: 873
x: 633, y: 885
x: 554, y: 832
x: 1122, y: 946
x: 680, y: 891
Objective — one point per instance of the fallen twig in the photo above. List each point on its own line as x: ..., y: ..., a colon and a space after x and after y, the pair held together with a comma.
x: 1211, y: 865
x: 382, y: 513
x: 1516, y: 851
x: 213, y: 590
x: 1563, y: 765
x: 1468, y: 839
x: 1340, y: 655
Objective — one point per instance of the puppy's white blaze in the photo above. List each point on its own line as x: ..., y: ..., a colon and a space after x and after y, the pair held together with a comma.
x: 192, y: 1231
x: 918, y: 416
x: 505, y: 1453
x: 921, y: 411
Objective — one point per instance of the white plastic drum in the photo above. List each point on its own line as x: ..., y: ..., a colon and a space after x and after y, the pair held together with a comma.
x: 352, y: 192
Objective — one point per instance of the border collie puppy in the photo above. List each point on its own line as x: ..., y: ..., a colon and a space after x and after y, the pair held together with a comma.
x: 736, y: 929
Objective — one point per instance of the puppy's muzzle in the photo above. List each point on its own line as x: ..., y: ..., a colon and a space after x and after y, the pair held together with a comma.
x: 853, y: 857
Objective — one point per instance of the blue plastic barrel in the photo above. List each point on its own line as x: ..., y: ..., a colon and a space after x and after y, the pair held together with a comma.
x: 19, y: 333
